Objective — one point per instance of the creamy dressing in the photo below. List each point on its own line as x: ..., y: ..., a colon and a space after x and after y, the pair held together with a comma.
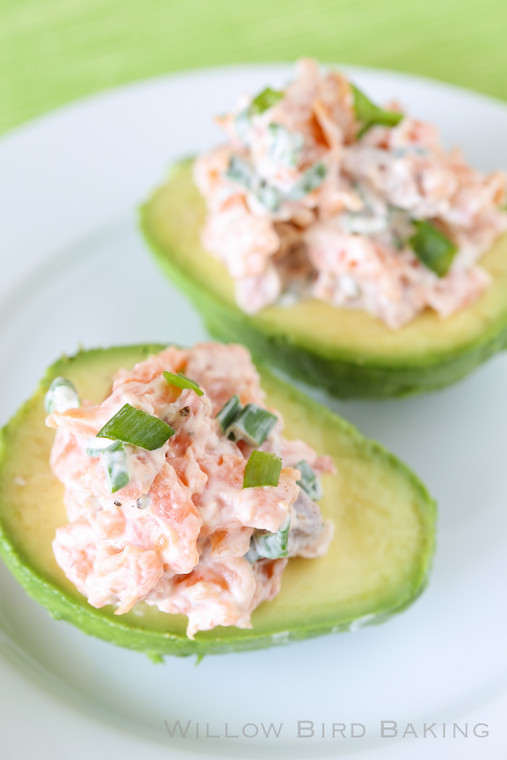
x: 176, y: 535
x: 302, y: 205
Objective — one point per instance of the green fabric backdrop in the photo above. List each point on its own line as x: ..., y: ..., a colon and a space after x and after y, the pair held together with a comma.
x: 54, y: 51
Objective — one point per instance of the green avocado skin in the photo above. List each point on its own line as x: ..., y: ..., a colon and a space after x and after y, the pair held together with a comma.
x: 128, y: 631
x: 342, y: 373
x: 340, y: 376
x: 353, y: 379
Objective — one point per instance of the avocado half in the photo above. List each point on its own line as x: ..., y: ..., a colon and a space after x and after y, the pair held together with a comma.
x: 348, y: 353
x: 377, y: 564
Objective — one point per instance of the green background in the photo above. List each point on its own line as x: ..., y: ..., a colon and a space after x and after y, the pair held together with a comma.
x: 54, y: 51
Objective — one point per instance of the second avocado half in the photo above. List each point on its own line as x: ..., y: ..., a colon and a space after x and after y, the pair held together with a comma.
x: 348, y: 353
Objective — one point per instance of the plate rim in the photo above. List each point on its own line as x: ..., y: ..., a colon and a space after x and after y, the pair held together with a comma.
x: 26, y: 129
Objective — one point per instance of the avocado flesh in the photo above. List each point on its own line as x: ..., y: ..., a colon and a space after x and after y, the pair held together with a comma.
x: 377, y: 563
x: 349, y: 353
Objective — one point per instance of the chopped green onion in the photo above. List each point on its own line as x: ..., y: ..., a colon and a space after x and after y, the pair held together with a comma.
x: 61, y: 395
x: 262, y: 469
x: 241, y: 171
x: 432, y: 247
x: 309, y: 481
x: 243, y: 124
x: 116, y: 464
x: 134, y: 426
x: 269, y: 545
x: 229, y: 412
x: 250, y: 423
x: 253, y: 424
x: 95, y: 446
x: 181, y: 381
x: 264, y: 100
x: 269, y: 196
x: 370, y: 114
x: 311, y: 179
x: 286, y: 146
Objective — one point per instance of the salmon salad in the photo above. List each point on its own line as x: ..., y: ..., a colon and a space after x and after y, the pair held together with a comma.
x: 181, y: 491
x: 319, y: 193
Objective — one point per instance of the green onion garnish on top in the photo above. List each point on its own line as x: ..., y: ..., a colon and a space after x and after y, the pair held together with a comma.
x: 229, y: 412
x: 61, y: 395
x: 262, y: 469
x: 370, y: 114
x: 253, y: 424
x: 241, y: 171
x: 269, y: 545
x: 270, y: 197
x: 96, y: 446
x: 432, y: 247
x: 264, y: 100
x: 285, y: 147
x: 181, y: 381
x: 309, y: 481
x: 134, y: 426
x: 311, y: 180
x: 250, y: 423
x: 116, y: 464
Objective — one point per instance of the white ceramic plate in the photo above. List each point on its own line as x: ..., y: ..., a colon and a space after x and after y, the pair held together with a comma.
x: 75, y: 272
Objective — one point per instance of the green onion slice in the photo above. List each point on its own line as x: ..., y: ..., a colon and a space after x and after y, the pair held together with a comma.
x: 241, y: 171
x: 269, y: 545
x: 182, y: 381
x: 242, y: 124
x: 309, y: 481
x: 96, y: 446
x: 264, y: 100
x: 270, y: 197
x: 253, y: 424
x: 134, y: 426
x: 229, y: 412
x: 432, y: 247
x: 285, y: 146
x: 262, y: 469
x: 370, y: 114
x: 61, y: 395
x: 311, y: 179
x: 116, y: 464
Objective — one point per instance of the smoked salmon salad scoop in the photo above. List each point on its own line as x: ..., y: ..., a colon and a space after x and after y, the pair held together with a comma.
x: 180, y: 489
x: 318, y: 193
